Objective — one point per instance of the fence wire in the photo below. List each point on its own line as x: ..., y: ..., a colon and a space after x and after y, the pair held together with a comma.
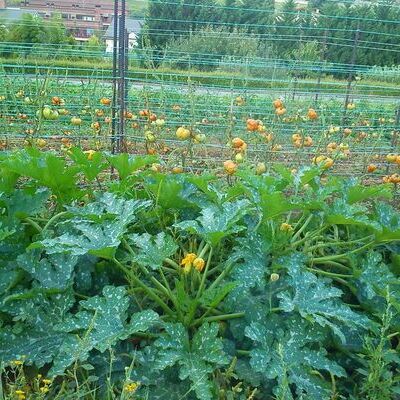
x: 211, y: 77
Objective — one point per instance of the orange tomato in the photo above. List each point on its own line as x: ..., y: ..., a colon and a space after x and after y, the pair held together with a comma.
x: 230, y: 167
x: 278, y: 103
x: 252, y: 125
x: 312, y: 114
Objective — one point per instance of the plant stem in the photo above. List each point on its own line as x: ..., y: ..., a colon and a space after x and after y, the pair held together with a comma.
x: 203, y: 278
x: 148, y: 290
x: 34, y: 224
x: 217, y: 318
x: 53, y: 219
x: 301, y: 230
x: 330, y: 274
x: 339, y: 256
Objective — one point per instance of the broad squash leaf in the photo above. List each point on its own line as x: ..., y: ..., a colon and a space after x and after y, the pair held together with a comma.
x: 51, y: 272
x: 197, y: 358
x: 101, y: 322
x: 287, y: 351
x: 152, y: 251
x: 216, y: 223
x: 317, y: 300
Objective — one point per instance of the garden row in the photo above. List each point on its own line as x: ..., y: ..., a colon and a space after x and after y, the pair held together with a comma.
x: 258, y: 284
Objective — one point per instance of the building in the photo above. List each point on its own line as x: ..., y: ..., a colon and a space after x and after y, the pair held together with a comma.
x: 133, y: 27
x: 82, y: 18
x: 11, y: 15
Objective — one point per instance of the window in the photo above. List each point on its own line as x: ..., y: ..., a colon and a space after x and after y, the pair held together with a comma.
x: 85, y: 18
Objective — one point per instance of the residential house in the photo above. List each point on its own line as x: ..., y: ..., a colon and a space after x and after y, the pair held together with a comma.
x: 82, y: 18
x: 133, y: 28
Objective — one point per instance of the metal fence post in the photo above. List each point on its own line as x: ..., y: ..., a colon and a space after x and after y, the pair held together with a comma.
x: 122, y: 77
x: 114, y: 125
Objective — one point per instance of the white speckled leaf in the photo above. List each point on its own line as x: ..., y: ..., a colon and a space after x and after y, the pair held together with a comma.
x: 316, y: 299
x: 152, y: 251
x: 51, y: 272
x: 197, y: 359
x: 215, y: 223
x: 100, y: 324
x: 285, y: 355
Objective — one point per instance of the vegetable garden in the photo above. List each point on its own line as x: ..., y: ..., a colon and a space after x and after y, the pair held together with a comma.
x: 240, y: 242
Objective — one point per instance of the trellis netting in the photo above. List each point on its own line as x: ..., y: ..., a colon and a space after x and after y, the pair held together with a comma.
x: 293, y: 81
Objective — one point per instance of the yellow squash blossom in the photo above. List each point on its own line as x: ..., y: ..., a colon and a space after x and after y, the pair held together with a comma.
x: 199, y: 263
x: 187, y: 262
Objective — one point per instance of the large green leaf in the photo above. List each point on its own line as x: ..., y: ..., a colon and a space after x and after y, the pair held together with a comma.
x: 48, y: 170
x: 101, y: 322
x: 126, y: 164
x: 33, y: 336
x: 317, y: 300
x: 289, y: 352
x: 376, y: 284
x: 90, y: 168
x: 51, y: 272
x: 389, y: 218
x: 152, y: 251
x: 342, y: 213
x: 23, y: 203
x: 97, y: 228
x: 216, y: 223
x: 358, y: 193
x: 197, y: 358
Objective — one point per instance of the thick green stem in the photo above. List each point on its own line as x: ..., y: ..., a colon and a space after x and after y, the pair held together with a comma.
x: 148, y: 290
x: 339, y: 244
x: 173, y: 264
x: 301, y: 230
x: 218, y: 318
x: 34, y: 224
x: 340, y: 256
x: 54, y: 218
x: 203, y: 278
x: 330, y: 274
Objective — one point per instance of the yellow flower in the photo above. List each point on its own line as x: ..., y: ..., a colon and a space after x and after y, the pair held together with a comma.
x: 286, y: 227
x: 274, y: 277
x: 131, y: 387
x: 199, y: 263
x: 187, y: 262
x: 90, y: 154
x: 17, y: 362
x: 44, y: 389
x: 47, y: 381
x: 19, y: 392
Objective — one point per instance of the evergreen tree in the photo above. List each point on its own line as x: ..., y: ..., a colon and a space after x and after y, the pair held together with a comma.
x: 287, y: 29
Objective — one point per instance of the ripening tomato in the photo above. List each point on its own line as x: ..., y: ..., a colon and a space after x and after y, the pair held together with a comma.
x: 252, y: 125
x: 280, y: 111
x: 183, y: 133
x: 261, y: 168
x: 278, y: 103
x: 312, y: 114
x: 230, y: 167
x: 76, y: 121
x: 105, y: 101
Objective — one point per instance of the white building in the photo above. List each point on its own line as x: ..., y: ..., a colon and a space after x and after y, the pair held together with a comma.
x: 133, y: 27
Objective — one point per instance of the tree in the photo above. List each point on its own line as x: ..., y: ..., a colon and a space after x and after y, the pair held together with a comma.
x: 287, y: 29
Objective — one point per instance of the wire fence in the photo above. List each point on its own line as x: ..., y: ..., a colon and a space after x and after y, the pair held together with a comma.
x: 217, y: 81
